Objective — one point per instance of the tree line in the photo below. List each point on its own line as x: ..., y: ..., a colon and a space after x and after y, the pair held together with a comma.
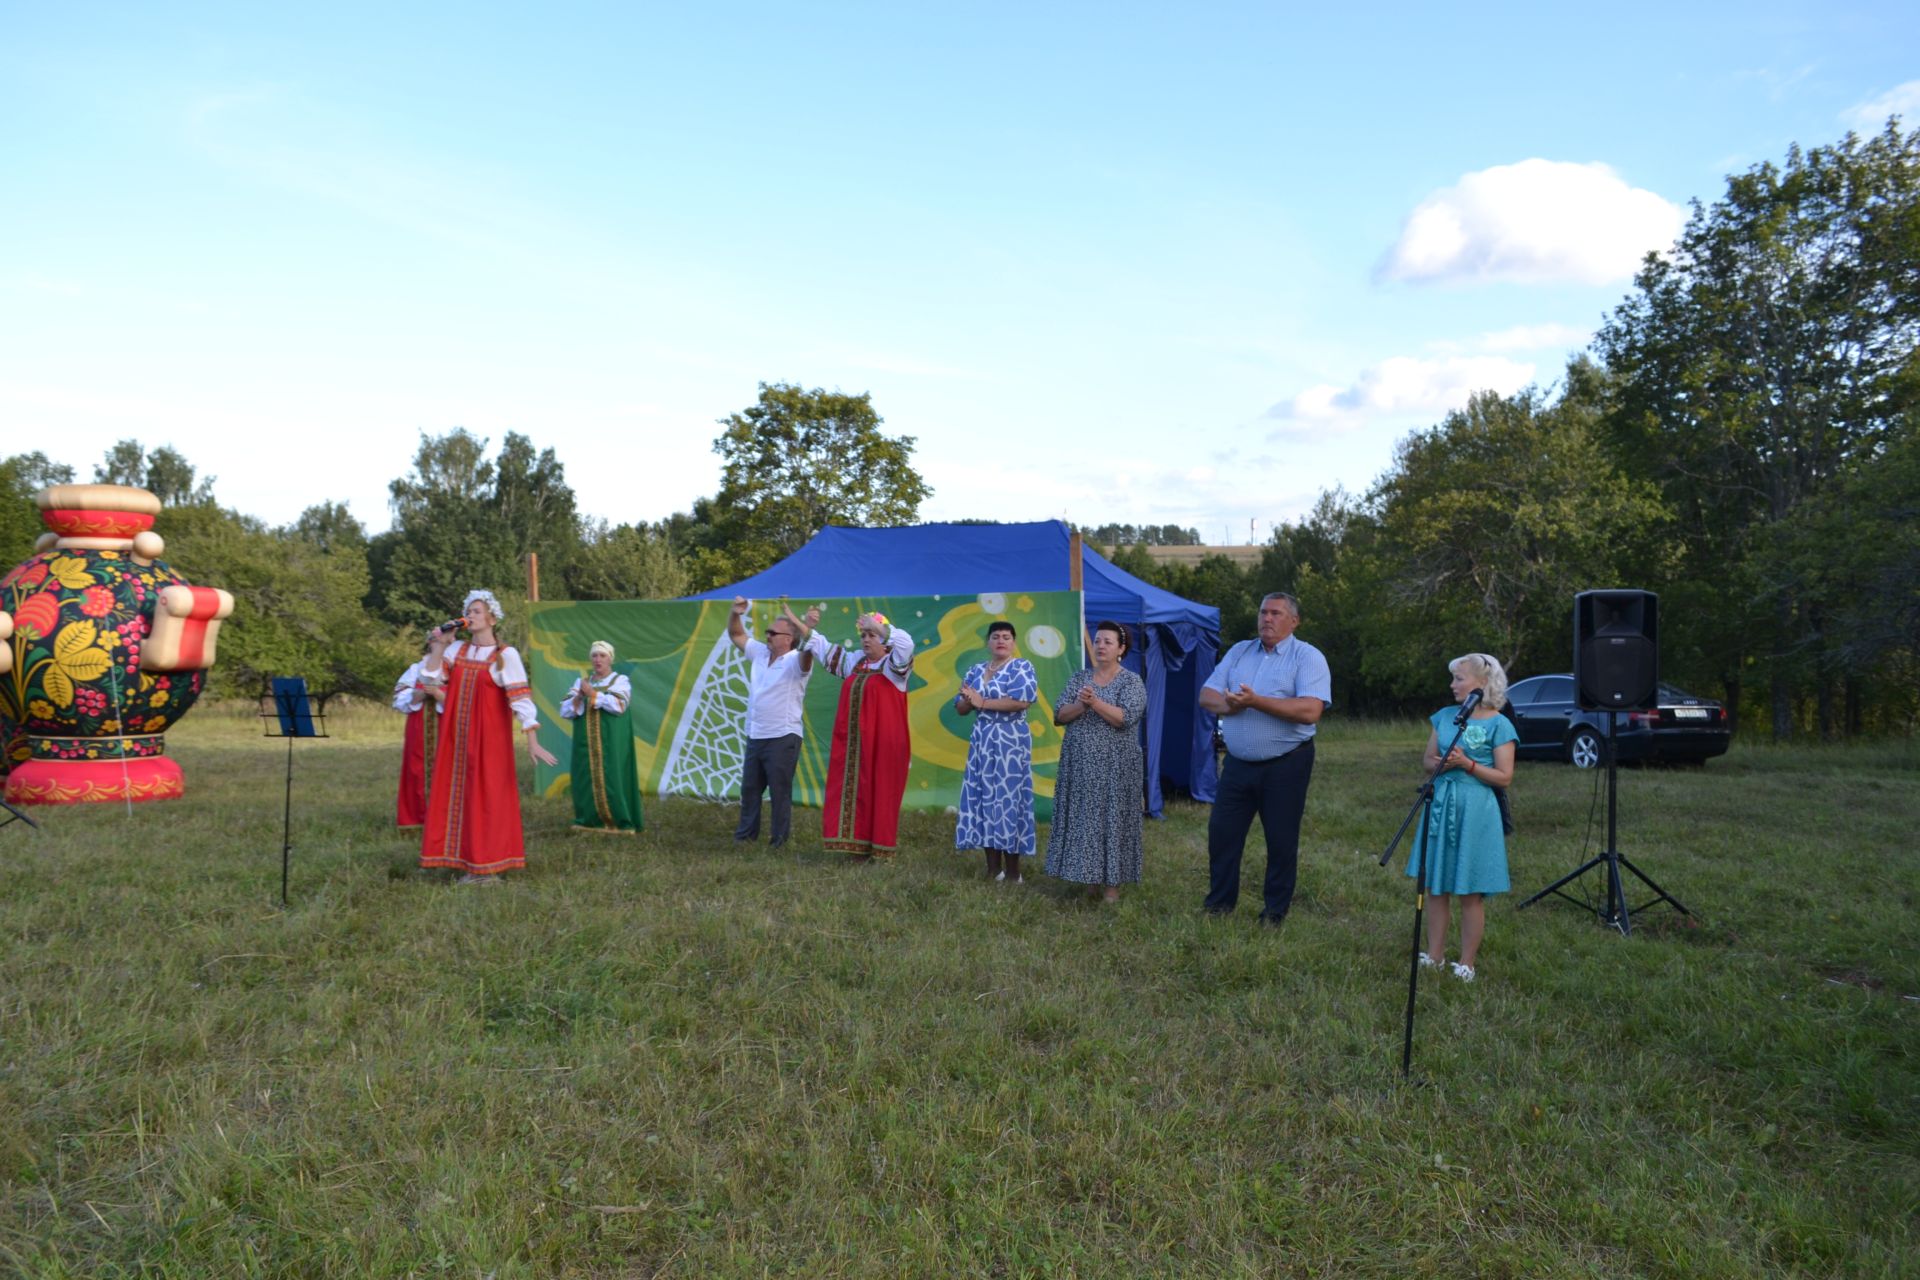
x: 1740, y: 437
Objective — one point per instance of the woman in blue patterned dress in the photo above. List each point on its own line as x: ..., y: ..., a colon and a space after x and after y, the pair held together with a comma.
x: 996, y: 798
x: 1465, y: 847
x: 1095, y: 838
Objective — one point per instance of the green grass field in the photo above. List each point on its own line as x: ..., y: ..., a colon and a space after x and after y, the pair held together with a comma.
x: 663, y: 1056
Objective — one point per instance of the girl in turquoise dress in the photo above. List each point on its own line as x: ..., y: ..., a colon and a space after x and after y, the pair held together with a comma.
x: 1466, y: 851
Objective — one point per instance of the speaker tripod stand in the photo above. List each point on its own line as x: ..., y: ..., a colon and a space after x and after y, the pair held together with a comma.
x: 1614, y: 911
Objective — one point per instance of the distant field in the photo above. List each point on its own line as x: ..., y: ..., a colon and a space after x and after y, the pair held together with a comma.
x: 662, y: 1056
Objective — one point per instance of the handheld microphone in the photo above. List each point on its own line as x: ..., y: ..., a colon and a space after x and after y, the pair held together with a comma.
x: 451, y: 627
x: 1466, y: 708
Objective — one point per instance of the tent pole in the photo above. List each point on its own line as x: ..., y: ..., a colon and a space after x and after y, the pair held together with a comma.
x: 1076, y: 582
x: 533, y: 576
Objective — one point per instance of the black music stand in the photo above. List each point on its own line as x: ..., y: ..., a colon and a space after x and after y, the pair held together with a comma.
x: 291, y: 712
x: 14, y: 815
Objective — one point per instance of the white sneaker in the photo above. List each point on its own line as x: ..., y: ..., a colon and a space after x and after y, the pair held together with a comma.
x: 1000, y: 876
x: 1428, y: 962
x: 1464, y: 972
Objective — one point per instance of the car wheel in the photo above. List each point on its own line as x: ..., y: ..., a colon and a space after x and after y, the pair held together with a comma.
x: 1586, y: 750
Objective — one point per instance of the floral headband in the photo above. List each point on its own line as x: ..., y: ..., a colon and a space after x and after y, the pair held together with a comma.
x: 493, y: 603
x: 879, y: 620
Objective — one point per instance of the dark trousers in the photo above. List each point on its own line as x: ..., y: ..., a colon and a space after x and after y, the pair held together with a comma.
x: 1276, y: 792
x: 769, y: 766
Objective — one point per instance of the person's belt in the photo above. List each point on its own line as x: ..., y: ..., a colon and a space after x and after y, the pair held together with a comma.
x: 1270, y: 759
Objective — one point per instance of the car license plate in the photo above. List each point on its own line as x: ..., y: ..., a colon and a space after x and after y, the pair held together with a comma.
x: 1691, y: 713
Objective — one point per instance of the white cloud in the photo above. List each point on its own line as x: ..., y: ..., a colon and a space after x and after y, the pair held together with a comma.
x: 1533, y: 337
x: 1535, y: 222
x: 1871, y: 116
x: 1405, y: 385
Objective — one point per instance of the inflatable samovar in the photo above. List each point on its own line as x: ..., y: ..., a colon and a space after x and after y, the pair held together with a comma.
x: 109, y: 648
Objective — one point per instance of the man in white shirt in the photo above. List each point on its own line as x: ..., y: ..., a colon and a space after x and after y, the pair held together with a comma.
x: 776, y: 695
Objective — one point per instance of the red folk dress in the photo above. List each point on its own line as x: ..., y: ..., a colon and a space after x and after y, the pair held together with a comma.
x: 473, y: 809
x: 872, y: 747
x: 417, y: 752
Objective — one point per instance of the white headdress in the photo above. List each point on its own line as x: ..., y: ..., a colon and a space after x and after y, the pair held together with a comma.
x: 600, y: 646
x: 493, y: 603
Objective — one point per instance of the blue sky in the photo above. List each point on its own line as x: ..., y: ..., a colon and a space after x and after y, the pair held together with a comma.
x: 1106, y: 262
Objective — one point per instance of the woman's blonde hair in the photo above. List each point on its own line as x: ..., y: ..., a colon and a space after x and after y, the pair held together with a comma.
x: 1485, y: 668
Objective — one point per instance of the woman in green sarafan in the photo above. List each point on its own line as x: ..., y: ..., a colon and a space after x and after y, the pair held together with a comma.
x: 606, y: 787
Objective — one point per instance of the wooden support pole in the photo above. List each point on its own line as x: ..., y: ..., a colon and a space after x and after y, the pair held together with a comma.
x: 533, y: 576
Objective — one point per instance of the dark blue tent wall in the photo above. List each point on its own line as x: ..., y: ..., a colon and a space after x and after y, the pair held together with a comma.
x: 1175, y: 640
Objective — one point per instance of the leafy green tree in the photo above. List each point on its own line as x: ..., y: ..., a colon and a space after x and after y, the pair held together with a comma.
x: 1312, y: 545
x: 532, y: 499
x: 165, y: 473
x: 796, y: 461
x: 22, y: 476
x: 1769, y: 356
x: 627, y: 562
x: 1220, y: 582
x: 1856, y: 548
x: 1133, y: 557
x: 332, y: 527
x: 464, y: 520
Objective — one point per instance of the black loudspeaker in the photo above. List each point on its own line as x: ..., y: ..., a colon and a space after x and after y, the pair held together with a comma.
x: 1616, y: 650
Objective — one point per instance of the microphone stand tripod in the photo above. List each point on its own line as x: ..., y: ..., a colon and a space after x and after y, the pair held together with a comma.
x: 1423, y: 806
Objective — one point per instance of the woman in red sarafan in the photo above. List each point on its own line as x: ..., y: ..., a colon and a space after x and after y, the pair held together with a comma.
x: 872, y: 748
x: 412, y: 699
x: 473, y: 806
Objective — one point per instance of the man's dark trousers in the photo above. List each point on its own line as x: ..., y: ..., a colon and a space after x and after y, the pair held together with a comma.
x: 769, y: 766
x: 1275, y: 791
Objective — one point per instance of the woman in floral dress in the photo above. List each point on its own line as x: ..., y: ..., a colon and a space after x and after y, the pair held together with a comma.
x: 1097, y: 798
x: 996, y: 796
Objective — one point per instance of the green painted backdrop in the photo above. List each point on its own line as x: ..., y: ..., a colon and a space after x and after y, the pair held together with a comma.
x: 690, y: 688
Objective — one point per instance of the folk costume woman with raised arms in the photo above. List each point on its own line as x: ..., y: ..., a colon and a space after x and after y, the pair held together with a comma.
x: 606, y: 787
x: 473, y: 815
x: 872, y: 748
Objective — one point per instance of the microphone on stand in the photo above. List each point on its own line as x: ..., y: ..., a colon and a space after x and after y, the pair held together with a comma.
x: 1466, y: 708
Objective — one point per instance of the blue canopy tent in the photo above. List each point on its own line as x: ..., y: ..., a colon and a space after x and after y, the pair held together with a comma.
x: 1175, y: 641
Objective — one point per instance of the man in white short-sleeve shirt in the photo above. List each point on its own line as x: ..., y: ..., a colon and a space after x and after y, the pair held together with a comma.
x: 776, y: 697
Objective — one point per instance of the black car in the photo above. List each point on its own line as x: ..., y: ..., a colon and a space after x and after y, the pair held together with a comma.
x: 1552, y: 727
